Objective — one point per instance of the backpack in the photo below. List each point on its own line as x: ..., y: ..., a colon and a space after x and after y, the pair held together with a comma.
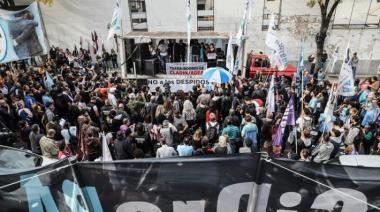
x: 44, y: 120
x: 201, y: 113
x: 72, y: 139
x: 359, y: 137
x: 212, y: 133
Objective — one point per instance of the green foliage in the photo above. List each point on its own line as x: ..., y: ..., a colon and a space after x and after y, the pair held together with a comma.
x: 311, y: 3
x: 46, y: 2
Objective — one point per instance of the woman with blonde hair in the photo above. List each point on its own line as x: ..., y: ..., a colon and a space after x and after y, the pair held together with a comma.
x: 188, y: 113
x: 222, y: 147
x: 197, y: 138
x: 159, y: 115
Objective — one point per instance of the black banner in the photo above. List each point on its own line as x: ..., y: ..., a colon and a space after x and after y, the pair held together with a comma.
x: 221, y: 184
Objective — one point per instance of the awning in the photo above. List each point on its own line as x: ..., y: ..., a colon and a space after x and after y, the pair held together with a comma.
x: 177, y: 35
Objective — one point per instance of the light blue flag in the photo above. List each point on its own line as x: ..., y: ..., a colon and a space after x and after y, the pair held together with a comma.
x: 49, y: 81
x: 115, y: 27
x: 299, y: 73
x: 346, y: 85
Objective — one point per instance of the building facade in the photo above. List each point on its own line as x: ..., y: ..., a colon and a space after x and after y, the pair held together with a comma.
x: 357, y: 21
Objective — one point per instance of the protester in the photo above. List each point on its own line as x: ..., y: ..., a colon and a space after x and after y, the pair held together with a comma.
x: 233, y: 133
x: 165, y: 151
x: 185, y: 149
x: 82, y: 100
x: 35, y: 137
x: 323, y: 151
x: 249, y: 131
x: 354, y: 63
x: 123, y: 147
x: 222, y: 147
x: 205, y: 148
x: 49, y: 148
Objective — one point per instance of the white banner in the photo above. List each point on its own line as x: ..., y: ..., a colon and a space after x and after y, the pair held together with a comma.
x: 185, y: 85
x: 186, y: 69
x: 329, y: 109
x: 230, y: 56
x: 276, y: 44
x: 346, y: 78
x: 115, y: 26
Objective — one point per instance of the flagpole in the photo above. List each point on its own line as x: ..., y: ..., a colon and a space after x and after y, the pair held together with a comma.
x: 188, y: 19
x: 302, y: 104
x: 295, y: 139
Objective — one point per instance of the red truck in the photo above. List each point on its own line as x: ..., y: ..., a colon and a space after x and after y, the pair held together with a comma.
x: 260, y: 63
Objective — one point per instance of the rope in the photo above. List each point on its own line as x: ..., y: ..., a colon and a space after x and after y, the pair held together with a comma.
x: 267, y: 160
x: 319, y: 183
x: 37, y: 175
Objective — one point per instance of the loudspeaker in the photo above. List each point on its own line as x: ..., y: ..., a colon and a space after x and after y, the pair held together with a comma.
x: 129, y: 45
x: 221, y: 63
x: 139, y: 66
x: 142, y: 51
x: 151, y: 66
x: 211, y: 64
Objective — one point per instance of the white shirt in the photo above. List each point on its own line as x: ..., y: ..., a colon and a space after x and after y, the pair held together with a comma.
x: 65, y: 133
x: 112, y: 99
x: 166, y: 152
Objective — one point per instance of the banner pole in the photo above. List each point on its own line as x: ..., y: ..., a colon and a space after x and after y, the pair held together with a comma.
x: 295, y: 139
x: 302, y: 104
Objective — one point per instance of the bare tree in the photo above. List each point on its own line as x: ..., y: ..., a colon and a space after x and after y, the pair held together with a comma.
x: 7, y: 4
x: 328, y: 8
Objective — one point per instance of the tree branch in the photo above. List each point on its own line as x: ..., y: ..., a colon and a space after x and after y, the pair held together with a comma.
x: 333, y: 8
x: 327, y: 2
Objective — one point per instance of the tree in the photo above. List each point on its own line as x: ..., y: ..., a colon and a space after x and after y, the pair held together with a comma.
x: 7, y: 4
x: 47, y: 2
x: 328, y: 8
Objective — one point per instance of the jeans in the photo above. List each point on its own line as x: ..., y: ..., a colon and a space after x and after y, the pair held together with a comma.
x: 354, y: 71
x: 114, y: 64
x: 195, y: 58
x: 105, y: 65
x: 163, y: 62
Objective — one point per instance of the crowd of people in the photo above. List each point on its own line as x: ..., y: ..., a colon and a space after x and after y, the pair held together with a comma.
x: 60, y: 108
x: 171, y: 51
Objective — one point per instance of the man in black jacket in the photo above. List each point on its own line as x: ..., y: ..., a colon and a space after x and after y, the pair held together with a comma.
x: 123, y: 147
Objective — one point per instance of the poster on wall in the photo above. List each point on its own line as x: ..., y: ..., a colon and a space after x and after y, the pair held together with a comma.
x: 186, y: 69
x: 21, y: 34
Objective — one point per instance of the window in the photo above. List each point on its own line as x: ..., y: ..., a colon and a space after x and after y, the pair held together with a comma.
x: 138, y: 15
x: 205, y: 15
x: 356, y: 14
x: 271, y: 6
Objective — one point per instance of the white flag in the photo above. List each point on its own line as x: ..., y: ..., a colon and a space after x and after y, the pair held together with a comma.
x: 276, y: 44
x: 249, y: 9
x: 240, y: 36
x: 230, y: 55
x: 270, y: 103
x: 106, y: 154
x: 346, y: 85
x: 115, y: 27
x: 329, y: 109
